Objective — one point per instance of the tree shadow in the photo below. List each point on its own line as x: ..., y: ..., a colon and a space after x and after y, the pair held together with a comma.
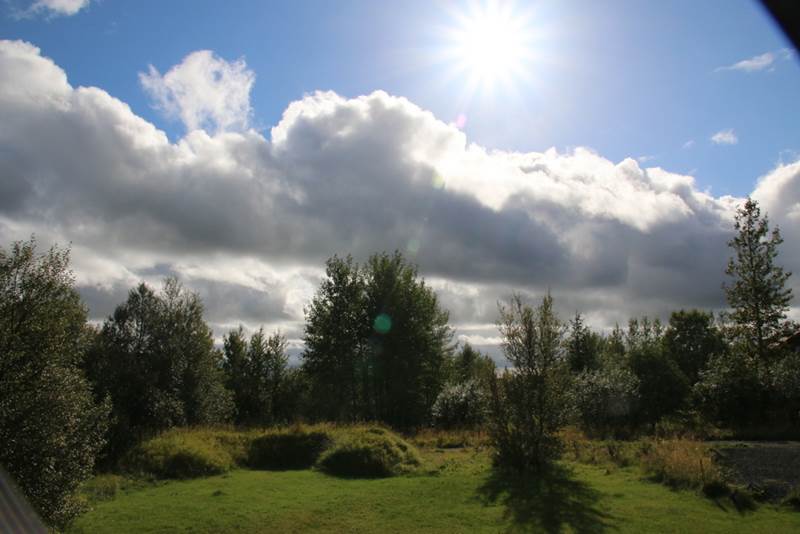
x: 546, y: 502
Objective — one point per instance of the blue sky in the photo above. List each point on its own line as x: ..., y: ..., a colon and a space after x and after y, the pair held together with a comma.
x: 626, y: 78
x: 238, y: 145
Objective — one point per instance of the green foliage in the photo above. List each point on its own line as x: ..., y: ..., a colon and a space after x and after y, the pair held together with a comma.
x: 470, y: 364
x: 663, y: 388
x: 690, y: 340
x: 336, y: 333
x: 583, y: 346
x: 255, y: 373
x: 294, y: 448
x: 461, y: 405
x: 179, y: 453
x: 50, y: 427
x: 367, y: 453
x: 730, y: 390
x: 155, y: 358
x: 530, y: 403
x: 606, y: 400
x: 758, y: 294
x: 377, y: 343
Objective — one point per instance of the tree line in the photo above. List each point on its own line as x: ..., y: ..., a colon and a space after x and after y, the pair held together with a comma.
x: 378, y: 346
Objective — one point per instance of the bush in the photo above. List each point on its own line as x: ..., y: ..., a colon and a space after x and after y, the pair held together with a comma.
x: 531, y: 403
x: 180, y: 454
x: 461, y: 405
x: 288, y: 449
x: 370, y: 452
x: 681, y: 463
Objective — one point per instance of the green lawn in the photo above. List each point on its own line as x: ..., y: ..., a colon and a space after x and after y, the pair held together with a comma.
x: 455, y: 492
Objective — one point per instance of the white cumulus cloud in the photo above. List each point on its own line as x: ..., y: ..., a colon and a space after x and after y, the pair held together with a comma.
x: 203, y: 91
x: 247, y: 219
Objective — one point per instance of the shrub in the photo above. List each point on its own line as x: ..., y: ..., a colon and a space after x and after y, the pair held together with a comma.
x: 289, y: 449
x: 180, y: 454
x: 461, y: 405
x: 370, y: 452
x: 531, y: 403
x: 681, y: 463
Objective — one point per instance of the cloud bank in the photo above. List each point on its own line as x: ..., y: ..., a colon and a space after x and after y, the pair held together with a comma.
x: 247, y: 219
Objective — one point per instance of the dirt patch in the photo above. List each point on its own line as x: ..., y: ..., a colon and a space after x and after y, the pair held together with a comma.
x: 769, y: 469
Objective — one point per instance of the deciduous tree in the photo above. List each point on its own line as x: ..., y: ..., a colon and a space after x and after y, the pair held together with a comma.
x: 50, y: 427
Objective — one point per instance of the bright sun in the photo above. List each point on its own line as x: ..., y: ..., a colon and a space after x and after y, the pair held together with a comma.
x: 491, y: 44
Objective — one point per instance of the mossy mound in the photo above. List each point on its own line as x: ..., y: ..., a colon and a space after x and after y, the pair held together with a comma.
x: 179, y: 453
x: 369, y: 452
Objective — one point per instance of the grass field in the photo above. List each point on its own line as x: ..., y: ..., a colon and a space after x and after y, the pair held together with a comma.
x: 454, y: 491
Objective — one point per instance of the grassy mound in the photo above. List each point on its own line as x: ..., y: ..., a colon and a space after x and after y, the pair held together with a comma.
x: 296, y: 448
x: 182, y: 453
x: 369, y: 452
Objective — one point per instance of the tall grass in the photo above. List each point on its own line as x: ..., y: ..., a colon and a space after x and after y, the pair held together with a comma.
x: 681, y: 463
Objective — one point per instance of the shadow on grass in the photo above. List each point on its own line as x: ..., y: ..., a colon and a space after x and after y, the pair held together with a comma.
x: 545, y: 503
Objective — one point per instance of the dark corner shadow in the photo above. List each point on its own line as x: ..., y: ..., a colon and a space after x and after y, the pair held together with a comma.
x: 545, y: 503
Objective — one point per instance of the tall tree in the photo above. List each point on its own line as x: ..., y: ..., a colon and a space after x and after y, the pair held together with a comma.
x: 758, y: 294
x: 336, y: 334
x: 50, y: 427
x: 410, y: 342
x: 691, y: 339
x: 471, y: 364
x: 155, y: 358
x: 255, y: 373
x: 377, y: 342
x: 582, y: 346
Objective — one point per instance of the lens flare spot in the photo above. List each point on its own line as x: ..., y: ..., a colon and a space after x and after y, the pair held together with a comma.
x: 382, y: 323
x: 413, y: 246
x: 438, y: 181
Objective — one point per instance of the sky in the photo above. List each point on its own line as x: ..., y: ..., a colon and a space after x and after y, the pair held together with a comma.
x: 594, y: 149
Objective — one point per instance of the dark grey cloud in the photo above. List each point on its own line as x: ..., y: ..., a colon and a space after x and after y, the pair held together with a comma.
x: 248, y: 220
